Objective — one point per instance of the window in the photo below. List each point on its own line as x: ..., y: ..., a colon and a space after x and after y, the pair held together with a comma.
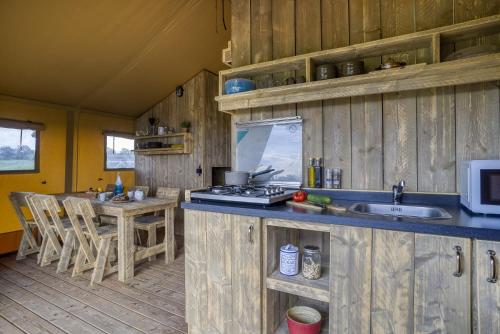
x: 119, y: 152
x: 19, y: 150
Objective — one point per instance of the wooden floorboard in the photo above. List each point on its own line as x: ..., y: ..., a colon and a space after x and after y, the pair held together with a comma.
x: 24, y: 319
x: 38, y: 300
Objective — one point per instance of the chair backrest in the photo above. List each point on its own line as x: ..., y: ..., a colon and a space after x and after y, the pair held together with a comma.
x: 47, y: 204
x: 145, y: 189
x: 18, y: 200
x: 81, y: 207
x: 168, y: 193
x: 72, y: 207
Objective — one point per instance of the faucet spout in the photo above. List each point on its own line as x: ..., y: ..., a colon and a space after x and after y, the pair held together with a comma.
x: 397, y: 192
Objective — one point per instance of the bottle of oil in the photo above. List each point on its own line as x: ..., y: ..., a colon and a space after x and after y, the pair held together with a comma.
x: 311, y: 174
x: 318, y: 173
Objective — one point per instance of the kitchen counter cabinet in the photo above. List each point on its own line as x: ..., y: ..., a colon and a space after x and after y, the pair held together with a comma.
x: 373, y: 280
x: 223, y: 273
x: 397, y: 282
x: 442, y: 284
x: 486, y: 292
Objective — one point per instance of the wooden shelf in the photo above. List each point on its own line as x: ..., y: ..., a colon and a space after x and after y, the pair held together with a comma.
x: 187, y: 141
x: 158, y: 151
x: 419, y: 76
x: 171, y: 135
x: 300, y: 286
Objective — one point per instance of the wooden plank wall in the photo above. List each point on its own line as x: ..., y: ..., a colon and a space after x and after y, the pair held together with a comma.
x: 211, y: 141
x: 419, y: 136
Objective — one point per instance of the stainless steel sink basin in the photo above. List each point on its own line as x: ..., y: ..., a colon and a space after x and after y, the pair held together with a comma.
x: 399, y: 210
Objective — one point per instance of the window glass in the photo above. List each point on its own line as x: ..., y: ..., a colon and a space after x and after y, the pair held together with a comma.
x: 119, y: 153
x: 18, y: 150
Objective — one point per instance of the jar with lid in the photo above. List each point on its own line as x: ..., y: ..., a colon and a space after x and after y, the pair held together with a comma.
x: 289, y: 260
x: 311, y: 262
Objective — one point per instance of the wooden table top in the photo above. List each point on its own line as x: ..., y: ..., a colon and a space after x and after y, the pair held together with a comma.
x: 133, y: 208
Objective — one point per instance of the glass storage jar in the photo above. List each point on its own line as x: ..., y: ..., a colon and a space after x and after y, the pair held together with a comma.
x: 311, y: 262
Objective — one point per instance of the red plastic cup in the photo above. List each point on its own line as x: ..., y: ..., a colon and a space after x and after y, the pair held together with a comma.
x: 303, y: 320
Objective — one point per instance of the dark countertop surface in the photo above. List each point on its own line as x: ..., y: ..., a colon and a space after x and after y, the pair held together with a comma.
x: 462, y: 224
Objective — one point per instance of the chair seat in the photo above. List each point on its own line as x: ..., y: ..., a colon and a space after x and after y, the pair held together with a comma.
x: 67, y: 224
x: 105, y: 231
x: 147, y: 221
x: 105, y: 219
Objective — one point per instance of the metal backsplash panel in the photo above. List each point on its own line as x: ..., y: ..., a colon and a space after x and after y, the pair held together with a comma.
x: 274, y: 143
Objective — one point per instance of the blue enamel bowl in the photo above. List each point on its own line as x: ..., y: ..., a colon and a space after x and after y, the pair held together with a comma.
x: 233, y: 86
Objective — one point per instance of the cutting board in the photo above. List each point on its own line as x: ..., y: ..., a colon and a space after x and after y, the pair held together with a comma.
x: 309, y: 206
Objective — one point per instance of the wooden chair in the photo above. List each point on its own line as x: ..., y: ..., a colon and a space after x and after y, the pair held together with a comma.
x: 46, y: 211
x: 151, y: 223
x: 28, y: 245
x: 110, y: 187
x: 100, y: 238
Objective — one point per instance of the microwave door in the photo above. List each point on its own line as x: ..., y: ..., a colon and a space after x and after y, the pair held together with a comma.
x: 490, y: 187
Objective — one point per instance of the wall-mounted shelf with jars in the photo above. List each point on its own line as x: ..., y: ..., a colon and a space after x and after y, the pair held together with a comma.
x: 480, y: 67
x: 175, y: 143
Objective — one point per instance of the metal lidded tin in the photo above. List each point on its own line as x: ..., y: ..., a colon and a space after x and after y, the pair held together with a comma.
x: 289, y: 260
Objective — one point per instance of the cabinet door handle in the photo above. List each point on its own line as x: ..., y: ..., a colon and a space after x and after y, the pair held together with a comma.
x: 492, y: 278
x: 458, y: 252
x: 250, y: 234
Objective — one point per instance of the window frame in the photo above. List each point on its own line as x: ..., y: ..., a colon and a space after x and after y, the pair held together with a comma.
x: 36, y: 170
x: 105, y: 141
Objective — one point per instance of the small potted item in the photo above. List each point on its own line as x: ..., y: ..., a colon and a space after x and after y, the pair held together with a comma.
x: 185, y: 126
x: 350, y: 68
x: 238, y: 85
x: 303, y: 320
x: 289, y: 260
x: 325, y: 72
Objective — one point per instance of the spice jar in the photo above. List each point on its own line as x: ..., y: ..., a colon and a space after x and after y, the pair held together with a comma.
x: 289, y: 260
x: 311, y: 262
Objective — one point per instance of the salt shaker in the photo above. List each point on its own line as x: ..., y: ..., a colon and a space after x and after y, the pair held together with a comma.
x: 289, y: 260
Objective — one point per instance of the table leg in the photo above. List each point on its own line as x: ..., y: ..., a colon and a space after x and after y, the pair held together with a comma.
x: 169, y: 236
x: 126, y: 248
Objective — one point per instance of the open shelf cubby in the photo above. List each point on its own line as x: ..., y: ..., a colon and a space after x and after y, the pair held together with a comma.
x: 282, y: 291
x: 300, y: 301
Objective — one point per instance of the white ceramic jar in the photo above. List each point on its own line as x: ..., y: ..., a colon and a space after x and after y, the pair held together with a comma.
x: 289, y: 260
x: 139, y: 195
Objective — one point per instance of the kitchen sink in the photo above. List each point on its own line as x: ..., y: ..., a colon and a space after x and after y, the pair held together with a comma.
x: 399, y: 210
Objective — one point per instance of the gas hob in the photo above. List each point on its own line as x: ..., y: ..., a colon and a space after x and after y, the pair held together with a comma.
x: 264, y: 195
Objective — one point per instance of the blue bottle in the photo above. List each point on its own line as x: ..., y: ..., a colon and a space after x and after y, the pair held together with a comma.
x: 118, y: 185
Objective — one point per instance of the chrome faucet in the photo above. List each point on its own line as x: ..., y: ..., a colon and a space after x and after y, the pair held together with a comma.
x: 397, y: 192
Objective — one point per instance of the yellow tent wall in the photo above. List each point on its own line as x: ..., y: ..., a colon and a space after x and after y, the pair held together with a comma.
x: 88, y: 157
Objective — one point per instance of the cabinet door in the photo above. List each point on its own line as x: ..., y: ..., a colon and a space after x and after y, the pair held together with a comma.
x: 442, y: 284
x: 486, y: 287
x: 195, y: 247
x: 350, y: 279
x: 246, y: 275
x: 392, y: 282
x: 219, y: 273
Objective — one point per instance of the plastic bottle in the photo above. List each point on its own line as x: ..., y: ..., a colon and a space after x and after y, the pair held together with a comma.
x: 311, y: 174
x: 118, y: 185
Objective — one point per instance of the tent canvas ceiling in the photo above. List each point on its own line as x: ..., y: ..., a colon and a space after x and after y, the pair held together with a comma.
x: 111, y: 55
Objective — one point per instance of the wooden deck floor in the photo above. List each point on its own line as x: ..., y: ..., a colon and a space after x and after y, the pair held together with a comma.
x: 37, y: 300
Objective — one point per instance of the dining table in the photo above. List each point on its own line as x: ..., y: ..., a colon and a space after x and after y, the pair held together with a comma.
x: 125, y: 212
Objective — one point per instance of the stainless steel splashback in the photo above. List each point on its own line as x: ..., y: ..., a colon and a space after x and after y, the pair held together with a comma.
x: 274, y: 142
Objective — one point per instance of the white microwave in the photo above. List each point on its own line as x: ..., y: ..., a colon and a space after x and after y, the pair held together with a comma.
x: 480, y: 186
